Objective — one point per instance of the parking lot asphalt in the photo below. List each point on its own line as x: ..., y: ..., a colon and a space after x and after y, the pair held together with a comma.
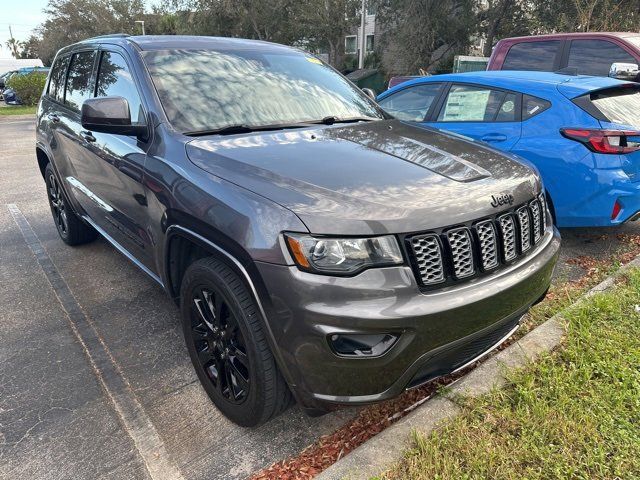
x: 95, y: 381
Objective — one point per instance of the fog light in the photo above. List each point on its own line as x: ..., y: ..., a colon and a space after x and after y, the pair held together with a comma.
x: 361, y: 345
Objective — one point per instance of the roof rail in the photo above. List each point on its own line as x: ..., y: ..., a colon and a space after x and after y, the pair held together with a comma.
x: 109, y: 35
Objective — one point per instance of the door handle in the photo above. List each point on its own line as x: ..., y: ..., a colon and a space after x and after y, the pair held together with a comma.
x: 54, y: 118
x: 88, y: 136
x: 494, y: 137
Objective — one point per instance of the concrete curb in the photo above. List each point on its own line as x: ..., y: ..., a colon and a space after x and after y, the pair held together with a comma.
x: 382, y: 451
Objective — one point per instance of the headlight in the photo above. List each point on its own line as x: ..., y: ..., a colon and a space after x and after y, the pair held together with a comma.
x: 343, y: 255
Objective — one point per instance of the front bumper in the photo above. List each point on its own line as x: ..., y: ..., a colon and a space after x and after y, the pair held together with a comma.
x: 438, y: 331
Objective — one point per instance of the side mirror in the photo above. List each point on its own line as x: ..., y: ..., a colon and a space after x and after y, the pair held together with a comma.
x: 109, y: 115
x: 624, y: 71
x: 369, y: 93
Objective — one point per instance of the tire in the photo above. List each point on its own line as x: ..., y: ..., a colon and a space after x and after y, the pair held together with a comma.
x: 228, y: 346
x: 71, y: 228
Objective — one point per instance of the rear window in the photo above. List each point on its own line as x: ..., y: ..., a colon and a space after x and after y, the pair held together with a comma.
x: 56, y: 84
x: 538, y: 56
x: 619, y: 106
x: 79, y: 86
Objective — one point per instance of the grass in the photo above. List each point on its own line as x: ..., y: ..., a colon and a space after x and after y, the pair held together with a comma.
x: 17, y: 110
x: 574, y: 414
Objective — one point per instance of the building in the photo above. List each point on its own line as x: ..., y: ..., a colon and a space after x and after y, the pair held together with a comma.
x: 352, y: 41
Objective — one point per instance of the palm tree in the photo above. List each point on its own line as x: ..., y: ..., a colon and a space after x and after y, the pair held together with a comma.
x: 14, y: 45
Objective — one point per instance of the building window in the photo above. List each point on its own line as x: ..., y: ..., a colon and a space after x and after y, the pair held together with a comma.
x: 370, y: 44
x: 350, y: 44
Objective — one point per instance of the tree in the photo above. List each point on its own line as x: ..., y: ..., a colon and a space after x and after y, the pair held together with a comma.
x: 420, y: 34
x: 503, y: 18
x: 14, y: 47
x: 69, y: 21
x: 325, y: 24
x: 587, y: 15
x: 313, y: 24
x: 30, y: 47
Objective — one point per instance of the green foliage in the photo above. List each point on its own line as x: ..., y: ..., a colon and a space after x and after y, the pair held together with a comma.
x: 505, y: 18
x: 373, y: 60
x: 69, y: 21
x: 412, y: 34
x: 349, y: 63
x: 425, y: 32
x: 586, y: 15
x: 574, y: 414
x: 28, y: 87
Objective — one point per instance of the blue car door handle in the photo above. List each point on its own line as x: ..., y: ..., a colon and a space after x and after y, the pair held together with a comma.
x: 494, y: 137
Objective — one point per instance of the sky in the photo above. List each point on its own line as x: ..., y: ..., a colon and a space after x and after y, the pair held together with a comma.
x: 23, y: 20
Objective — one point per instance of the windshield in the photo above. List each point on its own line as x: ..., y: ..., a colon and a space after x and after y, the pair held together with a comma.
x: 202, y: 90
x: 619, y: 106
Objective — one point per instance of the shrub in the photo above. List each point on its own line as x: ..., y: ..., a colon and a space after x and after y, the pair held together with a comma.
x: 28, y: 87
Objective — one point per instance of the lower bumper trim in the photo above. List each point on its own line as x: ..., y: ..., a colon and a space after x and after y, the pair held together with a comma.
x: 462, y: 354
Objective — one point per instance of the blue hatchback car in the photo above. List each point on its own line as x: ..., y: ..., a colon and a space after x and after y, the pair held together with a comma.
x: 581, y: 132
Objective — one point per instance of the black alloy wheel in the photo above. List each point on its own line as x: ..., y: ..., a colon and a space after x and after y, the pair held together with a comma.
x: 71, y: 228
x: 220, y: 345
x: 228, y: 346
x: 57, y: 204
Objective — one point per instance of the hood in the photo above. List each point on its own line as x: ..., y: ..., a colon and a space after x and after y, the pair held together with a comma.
x: 369, y: 178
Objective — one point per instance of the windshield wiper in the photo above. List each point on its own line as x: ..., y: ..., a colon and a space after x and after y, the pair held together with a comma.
x: 331, y: 119
x: 243, y: 128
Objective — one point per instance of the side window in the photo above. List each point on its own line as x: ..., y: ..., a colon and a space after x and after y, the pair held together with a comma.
x: 79, y: 86
x: 532, y: 106
x: 507, y: 111
x: 114, y: 79
x: 411, y: 104
x: 56, y: 84
x: 538, y: 56
x: 594, y: 57
x: 467, y: 103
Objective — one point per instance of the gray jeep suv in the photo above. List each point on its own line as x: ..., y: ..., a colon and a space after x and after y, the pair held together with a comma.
x: 316, y: 246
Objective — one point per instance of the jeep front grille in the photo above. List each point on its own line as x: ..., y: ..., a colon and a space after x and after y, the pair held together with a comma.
x: 460, y: 243
x: 428, y: 254
x: 488, y: 244
x: 508, y: 237
x: 462, y: 252
x: 525, y: 231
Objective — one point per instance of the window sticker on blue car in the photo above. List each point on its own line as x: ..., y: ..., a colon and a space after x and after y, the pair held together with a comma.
x: 508, y: 106
x: 466, y: 105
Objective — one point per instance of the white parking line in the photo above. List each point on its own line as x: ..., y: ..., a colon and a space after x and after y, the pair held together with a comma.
x: 136, y: 423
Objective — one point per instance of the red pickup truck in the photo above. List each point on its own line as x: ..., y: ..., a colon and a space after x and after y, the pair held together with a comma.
x: 580, y: 53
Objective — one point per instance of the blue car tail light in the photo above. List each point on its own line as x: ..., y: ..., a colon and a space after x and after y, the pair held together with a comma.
x: 604, y: 141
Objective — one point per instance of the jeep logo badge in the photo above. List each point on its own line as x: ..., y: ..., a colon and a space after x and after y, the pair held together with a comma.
x: 504, y: 199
